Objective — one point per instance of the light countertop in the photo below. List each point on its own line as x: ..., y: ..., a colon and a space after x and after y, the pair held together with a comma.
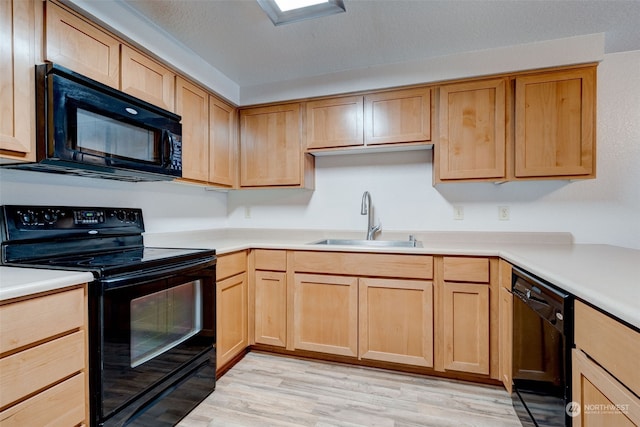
x: 17, y: 282
x: 606, y: 276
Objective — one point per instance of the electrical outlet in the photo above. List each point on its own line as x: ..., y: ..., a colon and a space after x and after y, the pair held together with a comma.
x: 458, y: 213
x: 503, y: 213
x: 247, y: 212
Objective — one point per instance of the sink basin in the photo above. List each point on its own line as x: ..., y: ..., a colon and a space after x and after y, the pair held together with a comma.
x: 372, y: 243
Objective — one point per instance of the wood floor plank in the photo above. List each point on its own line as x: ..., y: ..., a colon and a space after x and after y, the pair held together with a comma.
x: 275, y: 391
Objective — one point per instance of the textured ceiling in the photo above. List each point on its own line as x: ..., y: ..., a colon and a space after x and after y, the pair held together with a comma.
x: 237, y: 38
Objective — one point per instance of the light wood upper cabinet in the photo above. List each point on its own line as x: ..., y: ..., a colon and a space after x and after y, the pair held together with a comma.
x: 555, y: 124
x: 271, y: 152
x: 396, y: 321
x: 471, y: 131
x: 17, y: 85
x: 398, y: 116
x: 82, y: 47
x: 192, y: 103
x: 147, y: 79
x: 335, y: 122
x: 326, y: 314
x: 223, y: 147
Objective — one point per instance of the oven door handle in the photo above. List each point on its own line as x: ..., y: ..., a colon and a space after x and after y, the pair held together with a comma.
x: 154, y: 274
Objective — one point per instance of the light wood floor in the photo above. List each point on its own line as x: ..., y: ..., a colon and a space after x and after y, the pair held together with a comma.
x: 269, y: 390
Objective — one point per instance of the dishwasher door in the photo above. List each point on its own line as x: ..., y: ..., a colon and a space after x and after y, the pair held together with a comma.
x: 542, y: 324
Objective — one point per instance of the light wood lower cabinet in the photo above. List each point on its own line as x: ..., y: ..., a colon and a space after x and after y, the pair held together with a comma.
x: 606, y: 379
x: 326, y: 314
x: 43, y: 371
x: 466, y: 327
x: 467, y: 289
x: 271, y: 308
x: 231, y: 308
x: 601, y: 400
x: 396, y: 321
x: 506, y: 326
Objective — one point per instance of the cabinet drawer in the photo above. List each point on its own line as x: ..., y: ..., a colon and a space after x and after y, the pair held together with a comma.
x: 270, y: 260
x: 613, y: 345
x: 62, y: 405
x: 363, y: 264
x: 464, y: 269
x: 33, y: 320
x: 33, y: 369
x: 231, y: 264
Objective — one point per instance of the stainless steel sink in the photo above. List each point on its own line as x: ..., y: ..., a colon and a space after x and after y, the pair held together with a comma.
x: 372, y: 243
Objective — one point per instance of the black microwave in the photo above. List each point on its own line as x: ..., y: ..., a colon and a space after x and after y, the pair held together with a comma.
x: 86, y: 128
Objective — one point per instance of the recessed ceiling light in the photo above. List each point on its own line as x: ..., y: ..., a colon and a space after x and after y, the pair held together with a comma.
x: 286, y: 11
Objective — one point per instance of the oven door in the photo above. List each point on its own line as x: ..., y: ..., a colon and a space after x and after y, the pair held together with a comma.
x: 147, y: 332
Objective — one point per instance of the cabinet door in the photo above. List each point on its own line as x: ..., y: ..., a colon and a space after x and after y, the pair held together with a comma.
x: 397, y: 116
x: 555, y: 124
x: 466, y: 327
x: 600, y: 400
x: 146, y: 79
x: 396, y: 321
x: 223, y: 147
x: 335, y: 122
x: 326, y: 314
x: 74, y: 43
x: 17, y: 94
x: 506, y: 337
x: 471, y: 131
x: 271, y: 308
x: 270, y: 146
x: 192, y: 103
x: 231, y: 316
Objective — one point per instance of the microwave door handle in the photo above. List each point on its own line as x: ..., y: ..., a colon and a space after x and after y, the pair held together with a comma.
x: 167, y: 148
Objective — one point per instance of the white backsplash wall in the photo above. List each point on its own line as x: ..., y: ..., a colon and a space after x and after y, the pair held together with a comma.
x: 604, y: 210
x: 165, y: 206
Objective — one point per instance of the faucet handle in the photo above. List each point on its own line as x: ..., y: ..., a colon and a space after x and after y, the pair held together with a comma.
x: 412, y: 238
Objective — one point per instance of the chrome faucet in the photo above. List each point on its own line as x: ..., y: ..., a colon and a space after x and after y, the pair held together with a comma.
x: 367, y: 209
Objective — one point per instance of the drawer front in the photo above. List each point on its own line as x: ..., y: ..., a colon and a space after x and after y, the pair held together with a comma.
x: 61, y: 405
x: 271, y: 260
x: 33, y: 369
x: 26, y: 322
x: 465, y: 269
x: 363, y: 264
x: 231, y: 264
x: 613, y: 345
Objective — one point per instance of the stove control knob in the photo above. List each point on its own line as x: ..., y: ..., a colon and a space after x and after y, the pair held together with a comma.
x: 132, y: 216
x: 121, y: 215
x: 50, y: 216
x: 28, y: 217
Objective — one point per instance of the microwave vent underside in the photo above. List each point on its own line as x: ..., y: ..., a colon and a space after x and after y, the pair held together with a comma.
x: 113, y: 174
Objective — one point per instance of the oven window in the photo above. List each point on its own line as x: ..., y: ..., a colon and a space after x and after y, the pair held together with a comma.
x: 106, y: 137
x: 164, y: 319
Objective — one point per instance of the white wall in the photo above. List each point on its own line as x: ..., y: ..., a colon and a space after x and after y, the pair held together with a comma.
x: 604, y: 210
x: 166, y: 206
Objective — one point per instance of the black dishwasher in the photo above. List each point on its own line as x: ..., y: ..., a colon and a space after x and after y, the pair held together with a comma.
x: 542, y: 340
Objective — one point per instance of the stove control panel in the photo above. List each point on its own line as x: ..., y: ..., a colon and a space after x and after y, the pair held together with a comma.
x: 34, y: 222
